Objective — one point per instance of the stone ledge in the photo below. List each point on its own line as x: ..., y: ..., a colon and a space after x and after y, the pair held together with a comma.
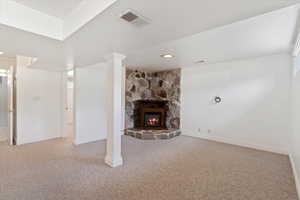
x: 153, y: 134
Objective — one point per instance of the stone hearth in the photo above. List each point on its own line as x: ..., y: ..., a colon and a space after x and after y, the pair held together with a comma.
x: 153, y: 134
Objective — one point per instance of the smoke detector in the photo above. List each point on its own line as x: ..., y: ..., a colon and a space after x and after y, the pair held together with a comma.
x: 134, y: 18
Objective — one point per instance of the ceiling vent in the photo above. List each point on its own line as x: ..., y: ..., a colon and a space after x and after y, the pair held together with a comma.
x: 135, y: 18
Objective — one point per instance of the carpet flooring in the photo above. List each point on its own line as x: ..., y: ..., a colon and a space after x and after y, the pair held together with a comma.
x: 183, y: 168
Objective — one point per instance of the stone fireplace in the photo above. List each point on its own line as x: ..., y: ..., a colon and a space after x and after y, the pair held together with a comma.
x: 153, y: 104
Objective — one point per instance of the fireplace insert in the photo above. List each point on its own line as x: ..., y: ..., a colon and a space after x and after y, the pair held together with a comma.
x: 152, y: 117
x: 150, y: 114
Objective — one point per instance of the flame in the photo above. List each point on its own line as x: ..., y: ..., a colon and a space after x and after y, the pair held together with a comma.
x: 153, y: 121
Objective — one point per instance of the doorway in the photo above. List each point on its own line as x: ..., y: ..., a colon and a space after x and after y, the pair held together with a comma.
x: 8, y: 105
x: 4, y: 106
x: 68, y: 82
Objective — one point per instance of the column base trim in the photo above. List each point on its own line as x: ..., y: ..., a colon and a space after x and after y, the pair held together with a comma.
x: 114, y: 162
x: 295, y: 173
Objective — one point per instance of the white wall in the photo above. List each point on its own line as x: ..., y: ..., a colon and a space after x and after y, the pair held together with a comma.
x: 39, y: 103
x: 254, y: 110
x: 295, y: 111
x: 90, y: 102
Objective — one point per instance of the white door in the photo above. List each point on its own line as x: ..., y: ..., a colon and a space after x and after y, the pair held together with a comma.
x: 68, y: 105
x: 70, y: 111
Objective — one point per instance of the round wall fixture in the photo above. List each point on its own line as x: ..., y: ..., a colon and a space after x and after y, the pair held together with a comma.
x: 218, y: 99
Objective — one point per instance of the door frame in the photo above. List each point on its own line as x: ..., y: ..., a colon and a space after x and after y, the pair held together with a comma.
x: 12, y: 99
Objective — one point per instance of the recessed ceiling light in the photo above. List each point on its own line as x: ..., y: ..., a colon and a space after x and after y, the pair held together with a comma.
x: 1, y: 52
x: 167, y: 56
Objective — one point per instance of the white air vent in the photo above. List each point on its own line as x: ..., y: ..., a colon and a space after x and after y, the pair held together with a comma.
x: 135, y: 18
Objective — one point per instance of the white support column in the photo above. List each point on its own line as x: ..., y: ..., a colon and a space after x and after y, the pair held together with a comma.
x: 114, y: 111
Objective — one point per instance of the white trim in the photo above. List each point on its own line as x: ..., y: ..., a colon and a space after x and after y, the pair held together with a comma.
x: 239, y: 143
x: 35, y: 140
x: 4, y: 132
x: 3, y: 138
x: 296, y: 49
x: 74, y: 105
x: 114, y: 111
x: 114, y: 55
x: 296, y: 175
x: 76, y: 142
x: 116, y: 162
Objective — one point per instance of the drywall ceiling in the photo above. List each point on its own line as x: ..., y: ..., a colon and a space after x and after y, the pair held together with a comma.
x: 170, y: 20
x: 34, y: 20
x: 106, y: 33
x: 262, y: 35
x: 56, y: 8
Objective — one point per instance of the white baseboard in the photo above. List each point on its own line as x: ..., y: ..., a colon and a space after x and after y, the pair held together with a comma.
x: 113, y: 162
x: 239, y: 143
x: 3, y: 138
x: 21, y: 141
x: 4, y: 132
x: 87, y: 140
x: 296, y: 175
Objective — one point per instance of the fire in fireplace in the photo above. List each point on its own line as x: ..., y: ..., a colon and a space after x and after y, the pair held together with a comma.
x: 152, y: 119
x: 150, y: 115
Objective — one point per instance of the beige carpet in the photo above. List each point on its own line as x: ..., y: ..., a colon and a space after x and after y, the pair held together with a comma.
x: 183, y: 168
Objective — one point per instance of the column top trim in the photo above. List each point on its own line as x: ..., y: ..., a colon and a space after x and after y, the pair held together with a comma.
x: 113, y: 56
